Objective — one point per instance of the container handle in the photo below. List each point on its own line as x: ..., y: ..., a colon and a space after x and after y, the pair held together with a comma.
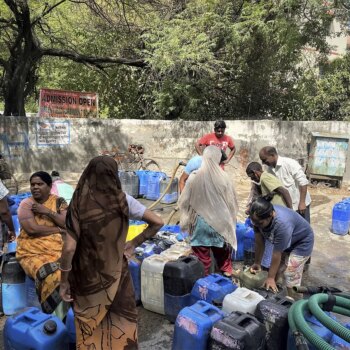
x: 33, y: 320
x: 211, y: 311
x: 244, y: 321
x: 222, y: 280
x: 186, y: 259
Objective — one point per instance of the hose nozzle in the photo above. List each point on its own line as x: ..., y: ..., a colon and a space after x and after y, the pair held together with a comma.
x: 300, y: 341
x: 315, y: 290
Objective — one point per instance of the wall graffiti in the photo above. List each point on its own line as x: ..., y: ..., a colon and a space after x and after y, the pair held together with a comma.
x: 13, y: 145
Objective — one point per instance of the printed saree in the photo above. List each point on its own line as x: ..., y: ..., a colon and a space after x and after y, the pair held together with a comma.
x: 100, y: 283
x: 38, y: 256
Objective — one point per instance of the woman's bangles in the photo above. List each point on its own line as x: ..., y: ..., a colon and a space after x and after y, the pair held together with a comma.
x: 64, y: 270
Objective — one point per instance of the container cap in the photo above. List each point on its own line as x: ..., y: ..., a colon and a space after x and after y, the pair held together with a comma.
x: 50, y: 327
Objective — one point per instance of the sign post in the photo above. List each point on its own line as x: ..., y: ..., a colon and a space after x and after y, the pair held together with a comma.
x: 67, y: 104
x: 52, y: 133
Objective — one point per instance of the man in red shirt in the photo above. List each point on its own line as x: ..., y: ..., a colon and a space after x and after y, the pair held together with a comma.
x: 217, y: 138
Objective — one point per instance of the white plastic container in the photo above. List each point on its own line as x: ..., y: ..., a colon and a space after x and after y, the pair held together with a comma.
x: 183, y: 247
x: 242, y: 299
x: 152, y: 288
x: 172, y: 255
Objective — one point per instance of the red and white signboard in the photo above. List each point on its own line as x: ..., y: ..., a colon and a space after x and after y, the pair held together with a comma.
x: 68, y: 104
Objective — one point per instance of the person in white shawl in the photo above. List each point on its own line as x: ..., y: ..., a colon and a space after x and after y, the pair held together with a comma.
x: 208, y: 210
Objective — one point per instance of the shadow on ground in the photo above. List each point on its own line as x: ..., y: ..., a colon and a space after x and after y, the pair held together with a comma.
x: 329, y: 265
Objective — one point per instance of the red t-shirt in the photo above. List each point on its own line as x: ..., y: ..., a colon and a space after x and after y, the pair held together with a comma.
x: 222, y: 143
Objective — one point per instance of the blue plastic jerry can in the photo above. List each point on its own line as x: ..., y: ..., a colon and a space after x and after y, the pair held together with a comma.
x: 135, y: 272
x: 32, y: 329
x: 31, y: 295
x: 12, y: 286
x: 341, y: 218
x: 193, y: 325
x: 211, y: 288
x: 240, y: 230
x: 71, y: 329
x: 16, y: 224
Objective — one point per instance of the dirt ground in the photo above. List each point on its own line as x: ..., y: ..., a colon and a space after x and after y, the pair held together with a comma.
x: 329, y: 266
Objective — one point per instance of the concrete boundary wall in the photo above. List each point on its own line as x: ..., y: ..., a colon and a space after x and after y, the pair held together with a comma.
x: 32, y: 143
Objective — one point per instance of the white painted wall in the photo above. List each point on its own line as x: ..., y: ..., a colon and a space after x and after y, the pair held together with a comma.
x: 166, y: 141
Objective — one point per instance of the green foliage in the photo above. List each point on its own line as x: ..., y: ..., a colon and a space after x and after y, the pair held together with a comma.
x: 116, y: 87
x: 219, y: 59
x: 327, y: 97
x: 206, y: 59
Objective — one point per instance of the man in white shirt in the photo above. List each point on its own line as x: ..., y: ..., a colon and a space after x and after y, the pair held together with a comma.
x: 292, y: 176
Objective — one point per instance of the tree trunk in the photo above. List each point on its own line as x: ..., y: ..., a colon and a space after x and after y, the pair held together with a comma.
x: 19, y: 79
x: 14, y: 97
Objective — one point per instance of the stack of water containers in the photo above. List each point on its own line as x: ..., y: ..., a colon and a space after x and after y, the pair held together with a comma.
x: 245, y: 243
x: 341, y: 217
x: 12, y: 246
x: 130, y: 182
x: 13, y: 287
x: 193, y: 326
x: 152, y: 282
x: 243, y: 300
x: 212, y: 289
x: 179, y: 278
x: 31, y: 295
x: 14, y: 202
x: 143, y: 184
x: 153, y: 183
x: 273, y: 313
x: 154, y: 247
x: 172, y: 231
x: 149, y: 184
x: 249, y: 244
x: 204, y: 325
x: 172, y: 194
x: 240, y: 231
x: 238, y: 330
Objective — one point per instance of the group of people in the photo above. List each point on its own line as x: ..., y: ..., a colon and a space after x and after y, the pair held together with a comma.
x: 278, y: 206
x: 77, y: 253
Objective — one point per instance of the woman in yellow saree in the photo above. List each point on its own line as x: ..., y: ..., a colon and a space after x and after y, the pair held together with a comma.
x: 39, y: 245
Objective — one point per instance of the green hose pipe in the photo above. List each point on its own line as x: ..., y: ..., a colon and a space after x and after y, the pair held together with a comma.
x: 342, y: 306
x: 342, y: 294
x: 300, y: 327
x: 291, y: 321
x: 299, y: 338
x: 297, y: 311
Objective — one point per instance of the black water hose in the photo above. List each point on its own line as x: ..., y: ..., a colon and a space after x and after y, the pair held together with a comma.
x: 315, y: 290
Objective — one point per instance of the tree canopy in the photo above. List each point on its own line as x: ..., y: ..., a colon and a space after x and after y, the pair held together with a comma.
x: 188, y: 59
